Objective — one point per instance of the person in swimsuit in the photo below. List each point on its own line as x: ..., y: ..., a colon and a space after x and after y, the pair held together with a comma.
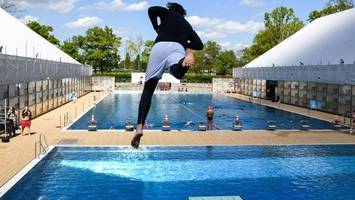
x: 26, y: 121
x: 172, y: 51
x: 237, y: 121
x: 166, y: 121
x: 209, y: 114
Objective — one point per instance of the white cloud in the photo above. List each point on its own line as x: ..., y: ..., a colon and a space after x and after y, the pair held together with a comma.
x: 253, y: 3
x: 233, y: 46
x: 137, y: 6
x: 120, y: 32
x: 83, y: 22
x: 28, y: 18
x: 61, y: 6
x: 214, y: 28
x: 211, y: 34
x: 118, y: 5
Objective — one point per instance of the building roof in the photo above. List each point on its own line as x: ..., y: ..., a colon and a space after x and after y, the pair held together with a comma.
x: 325, y: 41
x: 17, y: 39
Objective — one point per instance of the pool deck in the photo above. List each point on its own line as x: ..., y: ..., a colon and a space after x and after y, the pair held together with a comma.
x: 20, y: 151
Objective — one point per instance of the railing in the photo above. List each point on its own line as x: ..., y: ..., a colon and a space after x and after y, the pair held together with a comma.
x: 41, y: 146
x: 67, y: 119
x: 16, y: 69
x: 3, y: 116
x: 347, y: 117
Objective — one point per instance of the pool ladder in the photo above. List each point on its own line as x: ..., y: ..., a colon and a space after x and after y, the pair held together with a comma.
x: 41, y: 146
x: 67, y: 119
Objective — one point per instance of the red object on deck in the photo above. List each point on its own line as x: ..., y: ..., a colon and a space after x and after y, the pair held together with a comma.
x: 25, y: 123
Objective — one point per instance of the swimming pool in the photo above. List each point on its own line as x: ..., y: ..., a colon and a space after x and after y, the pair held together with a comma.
x: 114, y: 110
x: 252, y: 172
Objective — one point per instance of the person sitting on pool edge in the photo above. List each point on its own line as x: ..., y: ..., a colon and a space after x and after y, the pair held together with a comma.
x: 172, y: 51
x: 209, y: 114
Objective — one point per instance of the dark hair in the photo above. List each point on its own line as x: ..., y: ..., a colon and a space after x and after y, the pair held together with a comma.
x: 176, y: 7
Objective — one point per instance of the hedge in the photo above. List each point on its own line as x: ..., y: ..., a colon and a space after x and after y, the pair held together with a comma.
x: 201, y: 78
x: 188, y: 78
x: 119, y: 76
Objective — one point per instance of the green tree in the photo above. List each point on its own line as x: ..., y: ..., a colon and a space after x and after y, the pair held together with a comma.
x: 74, y: 48
x: 135, y: 49
x: 101, y: 49
x: 127, y: 61
x: 211, y: 52
x: 280, y: 24
x: 200, y: 63
x: 131, y: 50
x: 226, y: 60
x: 148, y: 45
x: 332, y: 7
x: 45, y: 31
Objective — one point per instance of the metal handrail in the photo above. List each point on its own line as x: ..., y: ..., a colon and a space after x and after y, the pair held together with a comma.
x: 41, y: 145
x: 45, y: 144
x: 67, y: 119
x: 36, y: 143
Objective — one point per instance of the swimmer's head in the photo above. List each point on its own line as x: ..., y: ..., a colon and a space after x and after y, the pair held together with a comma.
x: 176, y: 7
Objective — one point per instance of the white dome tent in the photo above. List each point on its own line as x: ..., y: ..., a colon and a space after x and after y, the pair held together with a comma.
x: 18, y: 40
x: 316, y: 64
x: 325, y: 41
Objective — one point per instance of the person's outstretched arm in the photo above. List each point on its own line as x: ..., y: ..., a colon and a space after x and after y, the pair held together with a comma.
x: 194, y: 42
x: 154, y: 12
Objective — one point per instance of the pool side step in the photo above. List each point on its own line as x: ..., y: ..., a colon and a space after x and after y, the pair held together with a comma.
x: 216, y: 198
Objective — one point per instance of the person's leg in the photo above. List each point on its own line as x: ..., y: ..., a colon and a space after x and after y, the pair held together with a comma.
x: 146, y: 99
x: 144, y: 106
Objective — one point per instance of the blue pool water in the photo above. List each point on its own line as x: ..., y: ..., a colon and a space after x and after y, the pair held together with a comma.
x: 115, y: 109
x: 175, y: 173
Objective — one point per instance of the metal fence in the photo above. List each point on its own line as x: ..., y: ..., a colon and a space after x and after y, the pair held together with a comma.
x: 16, y: 69
x: 332, y: 74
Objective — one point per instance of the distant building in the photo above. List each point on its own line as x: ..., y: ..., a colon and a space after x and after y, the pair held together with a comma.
x: 35, y: 73
x: 316, y: 64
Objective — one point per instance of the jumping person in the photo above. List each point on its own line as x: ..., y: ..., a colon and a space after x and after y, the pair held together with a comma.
x: 172, y: 51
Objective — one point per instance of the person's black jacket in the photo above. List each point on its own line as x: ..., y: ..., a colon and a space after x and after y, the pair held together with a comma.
x: 173, y: 28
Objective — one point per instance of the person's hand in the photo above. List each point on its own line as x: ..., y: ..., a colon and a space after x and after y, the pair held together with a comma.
x: 189, y: 59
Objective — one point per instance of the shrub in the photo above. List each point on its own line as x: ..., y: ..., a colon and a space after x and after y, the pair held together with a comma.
x: 119, y: 76
x: 201, y: 78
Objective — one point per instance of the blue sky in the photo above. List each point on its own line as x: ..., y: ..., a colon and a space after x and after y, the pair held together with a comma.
x: 232, y: 23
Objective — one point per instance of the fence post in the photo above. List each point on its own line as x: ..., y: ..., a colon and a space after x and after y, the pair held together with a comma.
x: 60, y: 120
